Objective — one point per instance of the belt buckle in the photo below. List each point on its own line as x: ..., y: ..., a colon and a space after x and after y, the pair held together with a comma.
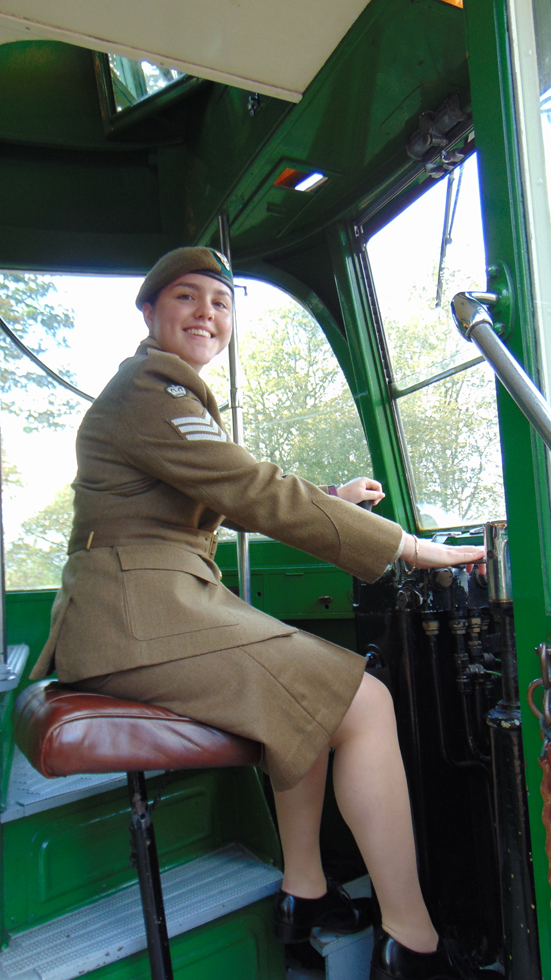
x: 213, y: 544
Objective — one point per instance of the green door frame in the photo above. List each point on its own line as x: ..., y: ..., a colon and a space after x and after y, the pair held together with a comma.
x: 525, y: 475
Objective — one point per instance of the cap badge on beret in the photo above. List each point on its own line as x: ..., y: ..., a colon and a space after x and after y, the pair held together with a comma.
x: 181, y: 261
x: 223, y: 259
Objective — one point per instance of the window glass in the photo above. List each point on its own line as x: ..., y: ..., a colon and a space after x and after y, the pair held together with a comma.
x: 542, y: 18
x: 298, y: 409
x: 452, y: 439
x: 82, y: 327
x: 429, y: 252
x: 135, y: 80
x: 405, y: 260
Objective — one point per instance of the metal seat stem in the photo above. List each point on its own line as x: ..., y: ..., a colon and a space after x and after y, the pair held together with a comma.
x: 143, y: 839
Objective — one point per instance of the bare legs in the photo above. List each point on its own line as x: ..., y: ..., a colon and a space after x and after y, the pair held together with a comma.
x: 298, y: 817
x: 371, y: 791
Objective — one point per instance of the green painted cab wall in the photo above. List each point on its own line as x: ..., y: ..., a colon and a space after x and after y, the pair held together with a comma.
x: 73, y: 197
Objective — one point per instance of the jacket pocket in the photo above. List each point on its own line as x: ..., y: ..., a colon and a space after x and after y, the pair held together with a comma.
x: 170, y: 592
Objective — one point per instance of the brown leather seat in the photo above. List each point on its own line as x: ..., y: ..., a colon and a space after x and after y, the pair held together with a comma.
x: 63, y: 732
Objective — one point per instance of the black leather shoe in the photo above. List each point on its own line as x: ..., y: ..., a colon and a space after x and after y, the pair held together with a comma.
x: 294, y: 918
x: 392, y: 961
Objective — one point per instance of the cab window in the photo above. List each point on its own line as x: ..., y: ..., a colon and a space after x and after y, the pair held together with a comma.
x: 442, y: 392
x: 299, y: 412
x: 298, y: 409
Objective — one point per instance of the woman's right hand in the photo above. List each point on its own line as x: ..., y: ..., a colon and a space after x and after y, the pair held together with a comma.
x: 429, y: 554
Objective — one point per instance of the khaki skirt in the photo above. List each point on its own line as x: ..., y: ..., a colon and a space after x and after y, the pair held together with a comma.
x: 289, y: 692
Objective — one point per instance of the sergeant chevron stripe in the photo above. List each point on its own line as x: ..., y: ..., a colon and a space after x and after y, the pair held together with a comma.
x: 198, y: 429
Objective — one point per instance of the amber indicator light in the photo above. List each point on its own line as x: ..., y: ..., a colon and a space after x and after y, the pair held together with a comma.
x: 299, y: 180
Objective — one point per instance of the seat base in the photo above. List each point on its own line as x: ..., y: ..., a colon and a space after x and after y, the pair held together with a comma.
x: 63, y: 732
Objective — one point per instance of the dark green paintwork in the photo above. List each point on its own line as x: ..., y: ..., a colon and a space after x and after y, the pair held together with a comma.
x: 64, y: 858
x: 289, y: 584
x: 27, y: 621
x: 237, y: 947
x: 72, y: 198
x: 528, y: 516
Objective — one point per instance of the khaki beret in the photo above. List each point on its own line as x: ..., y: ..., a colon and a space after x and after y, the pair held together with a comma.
x: 205, y: 261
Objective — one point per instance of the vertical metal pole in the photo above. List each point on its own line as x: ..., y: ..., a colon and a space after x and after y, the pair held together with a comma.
x: 143, y: 839
x: 512, y: 826
x: 236, y: 406
x: 445, y: 239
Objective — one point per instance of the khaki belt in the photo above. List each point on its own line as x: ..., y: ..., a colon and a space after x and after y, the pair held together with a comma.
x: 112, y: 534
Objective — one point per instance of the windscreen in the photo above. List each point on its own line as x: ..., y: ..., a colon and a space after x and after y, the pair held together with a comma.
x: 443, y: 392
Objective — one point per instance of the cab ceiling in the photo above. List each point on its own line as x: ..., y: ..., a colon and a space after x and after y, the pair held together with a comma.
x: 274, y: 48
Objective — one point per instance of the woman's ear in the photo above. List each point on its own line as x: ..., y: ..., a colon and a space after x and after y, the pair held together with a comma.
x: 147, y: 312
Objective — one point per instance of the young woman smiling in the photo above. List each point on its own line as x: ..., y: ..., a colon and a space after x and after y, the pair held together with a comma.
x: 142, y: 613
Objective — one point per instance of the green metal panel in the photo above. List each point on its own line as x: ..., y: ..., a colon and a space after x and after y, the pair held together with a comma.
x: 236, y: 947
x: 289, y: 584
x: 505, y: 236
x: 350, y: 122
x: 27, y: 621
x: 49, y: 95
x: 28, y: 618
x: 155, y: 187
x: 62, y: 859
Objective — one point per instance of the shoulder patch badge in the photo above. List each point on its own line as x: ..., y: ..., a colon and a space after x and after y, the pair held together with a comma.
x: 177, y: 391
x: 200, y: 428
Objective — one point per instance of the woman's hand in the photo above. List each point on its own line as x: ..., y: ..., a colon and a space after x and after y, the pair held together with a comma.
x: 361, y: 488
x: 427, y: 554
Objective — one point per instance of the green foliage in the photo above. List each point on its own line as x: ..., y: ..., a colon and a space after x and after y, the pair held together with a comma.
x: 11, y: 476
x: 35, y: 559
x: 451, y: 427
x: 298, y: 410
x: 27, y: 308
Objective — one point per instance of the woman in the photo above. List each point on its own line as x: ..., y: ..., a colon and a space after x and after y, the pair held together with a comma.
x: 142, y: 614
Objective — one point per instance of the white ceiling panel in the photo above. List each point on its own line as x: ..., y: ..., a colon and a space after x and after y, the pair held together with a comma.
x: 275, y: 47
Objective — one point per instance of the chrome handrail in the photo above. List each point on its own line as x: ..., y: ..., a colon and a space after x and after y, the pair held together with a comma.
x: 474, y: 322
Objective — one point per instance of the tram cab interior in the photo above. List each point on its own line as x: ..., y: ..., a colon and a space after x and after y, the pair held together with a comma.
x: 369, y: 162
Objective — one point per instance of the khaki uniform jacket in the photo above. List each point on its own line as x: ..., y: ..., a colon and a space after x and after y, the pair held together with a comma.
x: 157, y: 474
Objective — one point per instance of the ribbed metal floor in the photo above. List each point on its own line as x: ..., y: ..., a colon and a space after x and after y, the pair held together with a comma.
x: 30, y: 792
x: 113, y: 928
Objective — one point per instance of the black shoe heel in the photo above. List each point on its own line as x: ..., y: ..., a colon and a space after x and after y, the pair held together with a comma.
x: 294, y: 918
x: 392, y: 961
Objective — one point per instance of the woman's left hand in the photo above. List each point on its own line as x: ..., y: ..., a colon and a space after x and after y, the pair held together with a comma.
x: 361, y: 488
x: 428, y: 554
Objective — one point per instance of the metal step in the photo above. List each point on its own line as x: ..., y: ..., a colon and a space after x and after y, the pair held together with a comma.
x: 113, y: 928
x: 346, y: 957
x: 30, y: 792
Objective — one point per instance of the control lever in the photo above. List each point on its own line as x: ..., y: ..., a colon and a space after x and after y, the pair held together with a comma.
x: 366, y: 504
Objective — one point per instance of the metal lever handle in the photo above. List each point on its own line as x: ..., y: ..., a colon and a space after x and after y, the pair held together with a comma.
x: 475, y: 323
x: 366, y: 504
